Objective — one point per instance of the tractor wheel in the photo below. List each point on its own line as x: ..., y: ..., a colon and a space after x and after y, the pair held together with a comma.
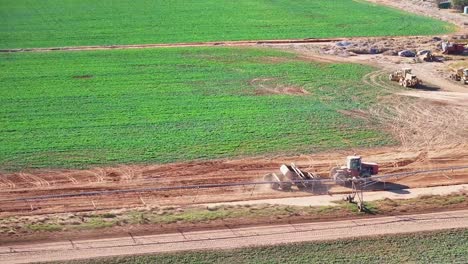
x: 333, y: 171
x: 286, y: 187
x: 405, y: 83
x: 301, y: 186
x: 275, y: 185
x: 340, y: 178
x: 366, y: 175
x: 390, y: 77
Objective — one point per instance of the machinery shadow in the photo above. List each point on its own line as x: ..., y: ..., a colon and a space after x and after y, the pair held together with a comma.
x: 429, y: 88
x: 388, y: 186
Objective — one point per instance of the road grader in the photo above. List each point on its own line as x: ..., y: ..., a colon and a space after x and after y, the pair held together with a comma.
x: 405, y: 78
x: 460, y: 75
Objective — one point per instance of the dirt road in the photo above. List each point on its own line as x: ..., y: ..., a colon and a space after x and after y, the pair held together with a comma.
x: 233, y: 238
x: 330, y: 200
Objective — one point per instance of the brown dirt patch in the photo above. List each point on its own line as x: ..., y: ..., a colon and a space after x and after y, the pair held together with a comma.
x: 272, y: 86
x: 355, y: 113
x: 282, y: 90
x: 50, y: 182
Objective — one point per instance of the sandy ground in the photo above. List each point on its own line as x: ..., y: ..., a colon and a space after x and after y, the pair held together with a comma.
x: 391, y: 160
x: 233, y: 238
x: 330, y: 200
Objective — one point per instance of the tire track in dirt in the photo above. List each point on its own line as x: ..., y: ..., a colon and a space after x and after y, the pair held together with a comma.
x: 34, y: 180
x: 6, y: 183
x: 239, y: 43
x: 377, y: 79
x: 423, y: 123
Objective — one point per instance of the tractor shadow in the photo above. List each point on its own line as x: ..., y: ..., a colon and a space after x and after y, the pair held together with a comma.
x: 388, y: 186
x: 427, y: 87
x: 324, y: 189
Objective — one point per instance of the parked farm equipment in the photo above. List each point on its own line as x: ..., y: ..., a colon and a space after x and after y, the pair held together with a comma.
x: 454, y: 48
x: 460, y: 75
x: 405, y: 78
x: 427, y: 56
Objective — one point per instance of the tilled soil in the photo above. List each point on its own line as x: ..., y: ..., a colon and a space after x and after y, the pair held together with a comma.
x: 37, y: 183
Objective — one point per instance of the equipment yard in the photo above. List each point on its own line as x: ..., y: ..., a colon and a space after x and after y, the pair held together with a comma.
x: 161, y: 139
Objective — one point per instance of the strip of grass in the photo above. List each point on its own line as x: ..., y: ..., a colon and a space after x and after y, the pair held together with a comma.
x: 249, y: 213
x: 52, y: 23
x: 75, y: 109
x: 449, y: 246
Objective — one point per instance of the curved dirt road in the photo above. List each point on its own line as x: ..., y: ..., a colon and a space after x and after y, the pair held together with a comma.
x: 233, y: 238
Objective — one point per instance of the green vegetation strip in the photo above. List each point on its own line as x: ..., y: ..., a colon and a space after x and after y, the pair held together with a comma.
x: 57, y: 23
x: 198, y: 215
x: 76, y: 109
x: 448, y: 246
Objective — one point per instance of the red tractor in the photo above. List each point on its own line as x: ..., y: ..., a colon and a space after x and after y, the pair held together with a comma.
x: 354, y: 168
x: 454, y: 48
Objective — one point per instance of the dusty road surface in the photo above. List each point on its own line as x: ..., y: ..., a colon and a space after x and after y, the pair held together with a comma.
x: 330, y: 200
x: 233, y: 238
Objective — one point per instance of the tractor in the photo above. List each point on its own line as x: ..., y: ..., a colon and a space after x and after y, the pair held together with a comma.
x: 460, y: 75
x: 405, y: 78
x: 454, y: 48
x: 354, y: 168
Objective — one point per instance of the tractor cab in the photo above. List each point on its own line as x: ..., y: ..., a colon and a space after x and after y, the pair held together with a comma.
x: 406, y: 71
x: 353, y: 164
x: 357, y: 168
x: 407, y: 74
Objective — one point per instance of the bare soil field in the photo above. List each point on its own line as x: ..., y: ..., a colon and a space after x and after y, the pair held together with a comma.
x: 20, y: 185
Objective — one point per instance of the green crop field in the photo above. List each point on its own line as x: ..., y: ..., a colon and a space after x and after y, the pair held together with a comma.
x: 74, y: 109
x: 434, y: 247
x: 52, y: 23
